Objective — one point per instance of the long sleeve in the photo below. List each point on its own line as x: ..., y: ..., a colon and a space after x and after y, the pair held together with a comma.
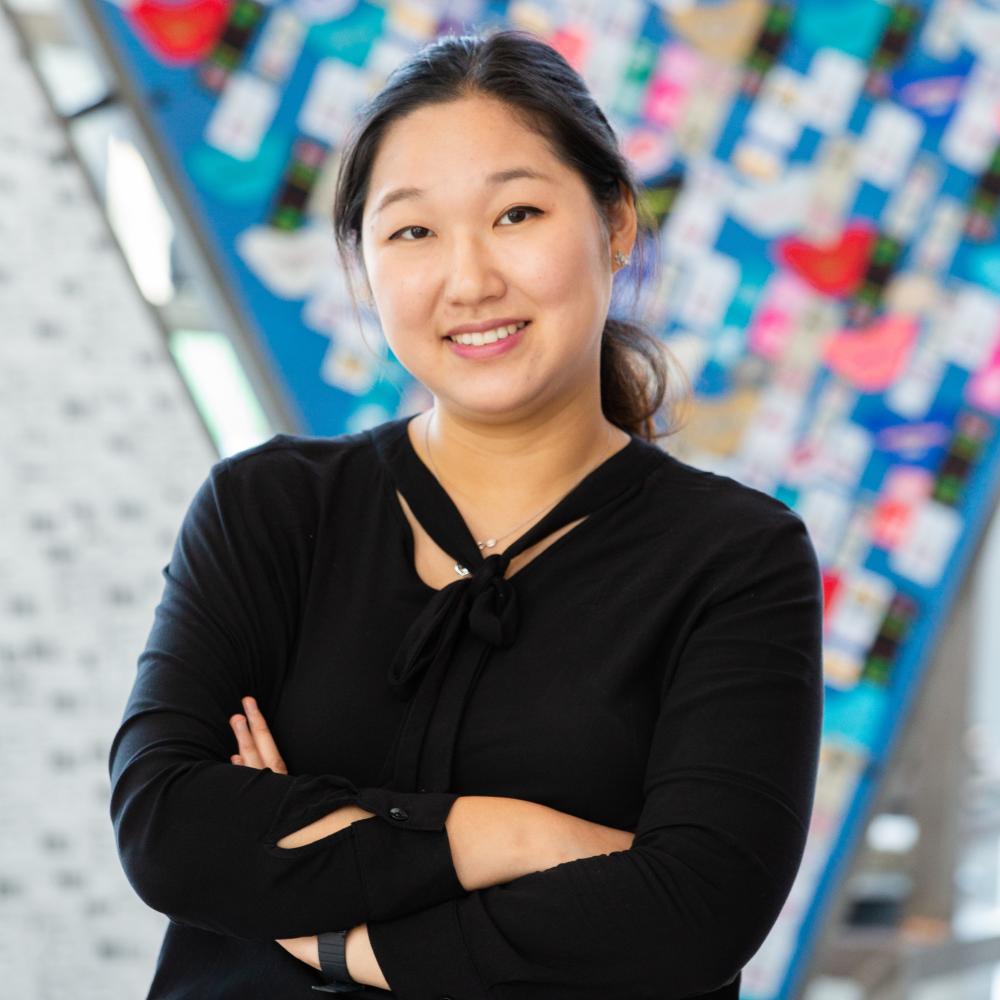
x: 728, y: 793
x: 197, y: 836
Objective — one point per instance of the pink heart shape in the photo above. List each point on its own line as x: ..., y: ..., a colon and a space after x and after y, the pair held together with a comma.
x: 872, y: 358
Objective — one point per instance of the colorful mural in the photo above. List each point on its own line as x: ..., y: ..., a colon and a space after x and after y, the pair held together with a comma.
x: 825, y: 178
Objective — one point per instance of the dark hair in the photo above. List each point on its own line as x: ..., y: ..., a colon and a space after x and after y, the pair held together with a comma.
x: 550, y: 98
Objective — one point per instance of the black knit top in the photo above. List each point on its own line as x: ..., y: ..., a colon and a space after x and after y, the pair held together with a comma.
x: 656, y: 669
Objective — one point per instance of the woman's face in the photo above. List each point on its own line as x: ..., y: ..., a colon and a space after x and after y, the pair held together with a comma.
x: 467, y: 249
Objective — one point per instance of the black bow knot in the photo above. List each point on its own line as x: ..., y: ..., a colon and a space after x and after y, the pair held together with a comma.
x: 493, y: 611
x: 485, y: 599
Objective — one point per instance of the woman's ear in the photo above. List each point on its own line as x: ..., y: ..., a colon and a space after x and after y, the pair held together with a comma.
x: 623, y: 222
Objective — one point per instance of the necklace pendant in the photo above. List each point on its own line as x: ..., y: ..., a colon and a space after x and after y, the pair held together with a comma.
x: 488, y: 544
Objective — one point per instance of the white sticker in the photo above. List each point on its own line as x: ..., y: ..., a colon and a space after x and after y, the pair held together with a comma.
x: 973, y: 327
x: 906, y: 207
x: 890, y: 139
x: 336, y: 91
x: 844, y: 453
x: 981, y: 31
x: 913, y: 392
x: 288, y: 264
x: 699, y: 210
x: 835, y: 183
x: 858, y: 607
x: 826, y: 513
x: 712, y: 281
x: 843, y: 663
x: 279, y: 46
x: 242, y: 115
x: 925, y: 550
x: 831, y: 90
x: 352, y: 370
x: 942, y: 33
x: 971, y: 134
x: 773, y: 208
x: 776, y: 115
x: 770, y: 437
x: 857, y: 540
x: 935, y: 249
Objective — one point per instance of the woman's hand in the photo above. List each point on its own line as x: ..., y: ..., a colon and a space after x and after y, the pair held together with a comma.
x: 257, y: 749
x: 254, y: 741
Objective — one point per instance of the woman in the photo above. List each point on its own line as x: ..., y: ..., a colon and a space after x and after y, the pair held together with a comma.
x: 548, y: 700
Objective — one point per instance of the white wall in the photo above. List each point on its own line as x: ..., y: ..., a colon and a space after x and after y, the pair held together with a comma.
x: 101, y: 452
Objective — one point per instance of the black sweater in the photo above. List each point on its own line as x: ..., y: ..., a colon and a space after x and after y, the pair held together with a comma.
x: 657, y: 669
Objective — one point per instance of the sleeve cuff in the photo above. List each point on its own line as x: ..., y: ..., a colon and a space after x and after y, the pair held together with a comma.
x: 423, y: 955
x: 404, y: 854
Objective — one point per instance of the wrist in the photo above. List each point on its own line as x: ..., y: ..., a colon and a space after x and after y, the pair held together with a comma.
x: 362, y: 966
x: 331, y: 951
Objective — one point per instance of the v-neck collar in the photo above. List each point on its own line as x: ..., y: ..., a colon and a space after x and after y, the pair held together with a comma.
x: 434, y: 508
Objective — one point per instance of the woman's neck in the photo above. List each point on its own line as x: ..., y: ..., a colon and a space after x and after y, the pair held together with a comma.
x: 506, y: 472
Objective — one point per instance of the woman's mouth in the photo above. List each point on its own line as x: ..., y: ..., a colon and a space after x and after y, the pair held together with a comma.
x: 489, y: 343
x: 488, y: 336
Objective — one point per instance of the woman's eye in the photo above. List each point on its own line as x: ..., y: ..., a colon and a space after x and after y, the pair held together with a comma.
x: 406, y: 230
x: 522, y: 208
x: 516, y: 208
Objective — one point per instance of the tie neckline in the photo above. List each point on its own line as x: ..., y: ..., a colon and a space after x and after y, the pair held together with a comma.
x: 434, y: 509
x: 477, y: 613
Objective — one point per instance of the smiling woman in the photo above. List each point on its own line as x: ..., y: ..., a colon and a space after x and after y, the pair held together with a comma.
x: 466, y: 251
x: 533, y: 708
x: 483, y: 187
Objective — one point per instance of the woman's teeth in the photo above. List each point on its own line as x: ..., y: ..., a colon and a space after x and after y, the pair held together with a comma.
x: 488, y: 336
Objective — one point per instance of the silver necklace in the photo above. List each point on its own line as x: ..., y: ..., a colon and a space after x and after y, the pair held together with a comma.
x: 487, y: 543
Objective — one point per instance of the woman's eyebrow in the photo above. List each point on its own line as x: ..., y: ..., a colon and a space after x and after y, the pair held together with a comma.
x: 499, y: 177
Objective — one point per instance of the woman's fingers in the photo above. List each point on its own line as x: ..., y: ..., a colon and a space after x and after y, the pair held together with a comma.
x: 256, y: 744
x: 247, y: 746
x: 262, y: 737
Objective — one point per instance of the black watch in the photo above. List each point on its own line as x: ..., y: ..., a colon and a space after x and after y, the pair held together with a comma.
x: 333, y: 963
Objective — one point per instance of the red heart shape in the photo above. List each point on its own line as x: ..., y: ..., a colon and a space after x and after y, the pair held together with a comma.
x: 835, y: 268
x: 180, y: 33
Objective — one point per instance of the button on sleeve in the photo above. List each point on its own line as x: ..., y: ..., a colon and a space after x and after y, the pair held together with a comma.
x: 415, y: 810
x: 404, y: 854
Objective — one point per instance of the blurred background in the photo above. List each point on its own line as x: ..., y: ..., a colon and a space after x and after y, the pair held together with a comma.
x: 824, y: 179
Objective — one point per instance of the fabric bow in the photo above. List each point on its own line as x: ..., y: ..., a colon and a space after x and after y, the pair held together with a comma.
x: 484, y: 599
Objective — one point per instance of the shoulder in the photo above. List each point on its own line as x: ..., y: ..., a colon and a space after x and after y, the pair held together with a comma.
x: 300, y: 456
x: 726, y: 520
x: 291, y: 477
x: 285, y: 450
x: 719, y: 499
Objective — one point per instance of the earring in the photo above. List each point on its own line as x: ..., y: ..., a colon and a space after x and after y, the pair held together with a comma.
x: 621, y: 259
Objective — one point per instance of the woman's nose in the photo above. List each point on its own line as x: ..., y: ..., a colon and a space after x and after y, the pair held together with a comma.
x: 472, y: 271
